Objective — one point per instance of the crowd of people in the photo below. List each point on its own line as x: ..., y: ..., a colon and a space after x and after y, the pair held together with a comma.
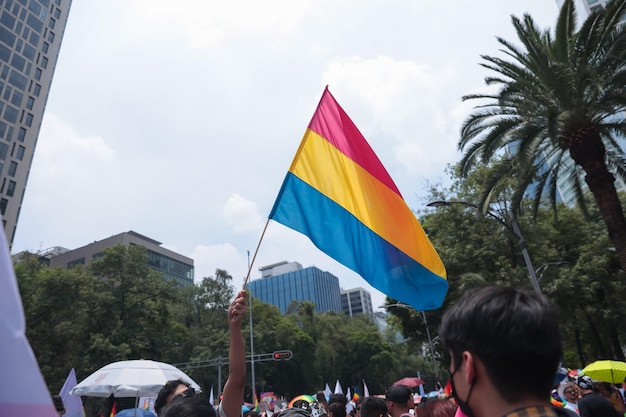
x: 504, y: 346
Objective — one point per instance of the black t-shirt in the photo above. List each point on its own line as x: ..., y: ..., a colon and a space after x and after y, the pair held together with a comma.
x: 595, y: 405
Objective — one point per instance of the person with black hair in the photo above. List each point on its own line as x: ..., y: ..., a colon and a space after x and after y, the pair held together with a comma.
x: 188, y: 407
x: 373, y: 407
x: 505, y: 348
x: 398, y: 399
x: 58, y: 404
x: 232, y: 397
x: 592, y: 403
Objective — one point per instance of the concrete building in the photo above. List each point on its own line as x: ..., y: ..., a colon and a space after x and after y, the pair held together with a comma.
x: 285, y: 282
x: 356, y: 301
x: 30, y: 38
x: 171, y: 264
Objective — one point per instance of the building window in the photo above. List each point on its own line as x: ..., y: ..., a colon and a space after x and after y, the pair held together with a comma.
x: 12, y: 168
x: 37, y: 90
x: 29, y: 52
x: 29, y: 120
x: 10, y: 114
x: 21, y: 134
x: 38, y: 74
x: 30, y: 102
x: 80, y: 261
x: 3, y: 205
x: 45, y: 47
x: 44, y: 62
x: 11, y: 188
x: 50, y: 36
x: 57, y: 13
x: 17, y: 98
x: 20, y: 152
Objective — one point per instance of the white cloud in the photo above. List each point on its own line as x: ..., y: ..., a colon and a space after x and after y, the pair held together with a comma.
x: 241, y: 214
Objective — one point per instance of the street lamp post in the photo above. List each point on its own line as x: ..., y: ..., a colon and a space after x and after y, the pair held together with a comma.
x: 514, y: 229
x: 542, y: 269
x: 408, y: 307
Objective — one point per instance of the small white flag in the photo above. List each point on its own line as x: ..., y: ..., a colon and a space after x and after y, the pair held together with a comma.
x: 366, y: 392
x: 338, y: 389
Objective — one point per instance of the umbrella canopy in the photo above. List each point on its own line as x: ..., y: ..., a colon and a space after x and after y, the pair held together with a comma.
x: 136, y: 378
x: 606, y: 371
x: 410, y: 381
x: 307, y: 398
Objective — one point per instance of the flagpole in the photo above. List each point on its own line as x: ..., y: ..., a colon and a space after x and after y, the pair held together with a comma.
x: 254, y: 256
x: 251, y: 333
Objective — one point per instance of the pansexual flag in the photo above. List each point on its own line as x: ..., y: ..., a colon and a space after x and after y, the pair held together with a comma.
x: 340, y: 196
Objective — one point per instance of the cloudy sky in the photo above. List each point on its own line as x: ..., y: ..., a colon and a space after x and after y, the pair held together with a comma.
x: 179, y: 120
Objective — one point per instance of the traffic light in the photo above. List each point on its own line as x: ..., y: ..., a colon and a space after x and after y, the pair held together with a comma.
x: 282, y: 355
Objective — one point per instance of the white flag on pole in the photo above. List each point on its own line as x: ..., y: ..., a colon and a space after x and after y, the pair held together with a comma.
x: 23, y: 391
x: 73, y: 404
x: 366, y: 392
x: 327, y: 392
x: 338, y: 389
x: 211, y: 397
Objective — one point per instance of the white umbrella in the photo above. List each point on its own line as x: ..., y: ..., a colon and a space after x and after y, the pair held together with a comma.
x: 136, y: 378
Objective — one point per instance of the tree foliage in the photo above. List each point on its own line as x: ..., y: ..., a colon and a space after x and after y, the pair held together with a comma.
x: 558, y: 113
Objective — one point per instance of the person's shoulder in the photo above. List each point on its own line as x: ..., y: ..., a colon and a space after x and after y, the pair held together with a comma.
x: 564, y: 412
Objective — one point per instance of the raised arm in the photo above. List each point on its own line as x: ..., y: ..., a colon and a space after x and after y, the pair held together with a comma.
x: 234, y: 388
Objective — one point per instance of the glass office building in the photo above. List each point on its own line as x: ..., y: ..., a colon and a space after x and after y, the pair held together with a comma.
x: 30, y: 39
x: 284, y: 283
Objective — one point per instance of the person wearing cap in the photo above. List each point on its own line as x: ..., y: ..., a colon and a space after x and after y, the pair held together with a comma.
x: 397, y: 400
x: 568, y: 391
x: 592, y: 404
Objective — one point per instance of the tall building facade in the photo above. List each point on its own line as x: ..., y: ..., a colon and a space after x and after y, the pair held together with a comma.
x: 285, y: 282
x: 171, y: 264
x: 30, y: 39
x: 356, y: 301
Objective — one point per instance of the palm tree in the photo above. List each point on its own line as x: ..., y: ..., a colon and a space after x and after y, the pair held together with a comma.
x: 558, y: 113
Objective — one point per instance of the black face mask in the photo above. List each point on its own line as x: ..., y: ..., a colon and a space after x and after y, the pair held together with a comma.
x: 463, y: 405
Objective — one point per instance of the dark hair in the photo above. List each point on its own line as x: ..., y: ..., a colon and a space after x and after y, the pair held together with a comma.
x: 338, y: 398
x: 373, y: 407
x: 506, y: 329
x: 437, y: 407
x: 167, y: 390
x: 58, y: 403
x: 338, y: 409
x: 188, y: 407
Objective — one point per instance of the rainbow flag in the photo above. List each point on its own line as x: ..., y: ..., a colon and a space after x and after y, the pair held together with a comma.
x: 340, y: 196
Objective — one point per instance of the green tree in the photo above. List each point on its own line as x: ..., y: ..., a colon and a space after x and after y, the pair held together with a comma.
x: 558, y: 112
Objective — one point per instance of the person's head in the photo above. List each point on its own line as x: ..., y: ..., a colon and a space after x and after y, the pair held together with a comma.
x: 437, y: 407
x: 321, y: 397
x: 373, y: 407
x: 171, y: 389
x: 336, y: 409
x: 493, y: 330
x: 585, y: 383
x: 58, y: 404
x: 397, y: 399
x: 568, y: 391
x: 181, y: 406
x: 294, y: 412
x: 603, y: 388
x: 338, y: 398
